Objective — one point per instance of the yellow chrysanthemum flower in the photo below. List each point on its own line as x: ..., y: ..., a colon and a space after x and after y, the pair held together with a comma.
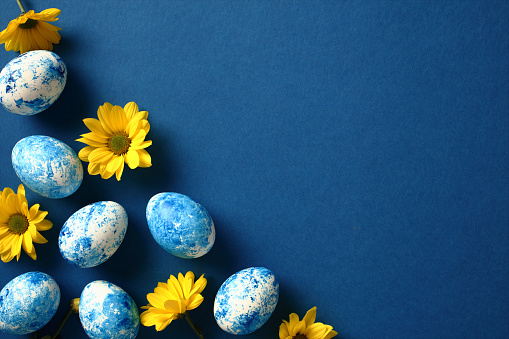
x: 30, y: 31
x: 20, y: 226
x: 305, y: 328
x: 118, y: 137
x: 172, y: 300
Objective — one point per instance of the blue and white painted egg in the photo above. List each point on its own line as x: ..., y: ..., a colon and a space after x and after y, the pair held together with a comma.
x: 180, y: 225
x: 32, y: 82
x: 47, y: 166
x: 28, y: 302
x: 246, y: 300
x: 93, y: 233
x: 107, y: 311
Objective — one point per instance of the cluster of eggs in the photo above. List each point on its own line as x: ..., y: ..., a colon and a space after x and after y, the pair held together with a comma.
x: 31, y: 83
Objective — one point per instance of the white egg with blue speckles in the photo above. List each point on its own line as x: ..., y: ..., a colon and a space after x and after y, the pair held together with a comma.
x: 93, y: 234
x: 47, y: 166
x: 246, y: 300
x: 32, y: 82
x: 180, y: 225
x: 28, y: 302
x: 107, y: 311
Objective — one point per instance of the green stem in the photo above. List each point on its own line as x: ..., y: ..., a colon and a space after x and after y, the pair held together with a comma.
x: 62, y: 323
x: 196, y: 330
x: 21, y: 7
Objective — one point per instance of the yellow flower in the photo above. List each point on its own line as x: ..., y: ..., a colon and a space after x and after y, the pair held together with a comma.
x: 172, y: 300
x: 30, y: 31
x: 20, y: 226
x: 117, y: 137
x: 306, y: 328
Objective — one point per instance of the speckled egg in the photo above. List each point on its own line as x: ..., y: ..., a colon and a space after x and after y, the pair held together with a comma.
x: 93, y: 233
x: 28, y: 302
x: 47, y: 166
x: 32, y: 82
x: 246, y: 300
x: 107, y: 311
x: 180, y: 225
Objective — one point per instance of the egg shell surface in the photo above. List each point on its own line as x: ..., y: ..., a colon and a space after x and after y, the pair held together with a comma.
x: 246, y: 300
x: 180, y: 225
x: 107, y: 311
x: 28, y: 302
x: 47, y: 166
x: 32, y: 82
x: 93, y: 234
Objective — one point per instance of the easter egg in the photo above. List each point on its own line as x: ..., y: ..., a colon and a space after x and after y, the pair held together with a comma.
x: 93, y: 233
x: 32, y: 82
x: 107, y: 311
x: 47, y: 166
x: 246, y: 300
x: 28, y: 302
x: 180, y: 225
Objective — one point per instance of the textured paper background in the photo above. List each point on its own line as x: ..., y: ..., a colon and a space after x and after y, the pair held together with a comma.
x: 358, y: 149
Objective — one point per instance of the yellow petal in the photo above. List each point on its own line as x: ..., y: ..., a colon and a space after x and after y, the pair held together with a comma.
x: 114, y: 163
x: 132, y: 159
x: 331, y: 334
x: 92, y: 143
x: 39, y: 239
x: 299, y: 328
x: 156, y: 300
x: 27, y: 242
x: 118, y: 119
x: 145, y: 159
x: 39, y: 217
x: 95, y: 126
x: 92, y: 136
x: 103, y: 113
x: 130, y: 109
x: 100, y: 154
x: 294, y: 321
x: 44, y: 225
x: 85, y: 152
x: 50, y: 14
x: 283, y: 331
x: 194, y: 301
x: 141, y: 145
x: 16, y: 245
x: 93, y: 168
x: 118, y: 172
x: 310, y: 316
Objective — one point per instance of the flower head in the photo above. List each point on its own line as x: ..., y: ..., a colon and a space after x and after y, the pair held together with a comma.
x: 306, y: 328
x: 20, y: 226
x: 30, y: 31
x: 118, y: 137
x: 172, y: 300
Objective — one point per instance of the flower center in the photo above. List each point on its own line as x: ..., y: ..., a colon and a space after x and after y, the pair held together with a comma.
x: 30, y: 23
x: 119, y: 144
x: 300, y: 336
x: 18, y: 224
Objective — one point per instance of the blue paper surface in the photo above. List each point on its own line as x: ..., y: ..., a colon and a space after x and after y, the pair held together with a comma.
x: 357, y: 149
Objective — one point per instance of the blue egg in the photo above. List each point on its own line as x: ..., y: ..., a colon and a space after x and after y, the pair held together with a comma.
x: 47, y: 166
x: 246, y: 300
x: 93, y: 233
x: 180, y: 225
x: 28, y: 302
x: 107, y: 311
x: 32, y: 82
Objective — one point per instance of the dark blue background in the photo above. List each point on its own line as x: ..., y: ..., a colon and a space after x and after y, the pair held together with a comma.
x: 358, y: 149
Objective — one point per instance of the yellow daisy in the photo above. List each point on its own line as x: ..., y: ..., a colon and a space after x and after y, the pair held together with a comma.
x: 172, y: 300
x: 306, y: 328
x: 20, y: 226
x: 118, y: 137
x: 30, y: 31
